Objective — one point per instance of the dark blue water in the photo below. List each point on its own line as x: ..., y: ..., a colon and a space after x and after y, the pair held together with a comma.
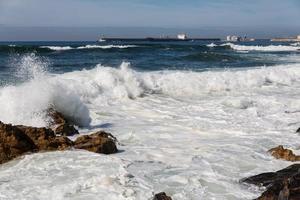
x: 144, y: 56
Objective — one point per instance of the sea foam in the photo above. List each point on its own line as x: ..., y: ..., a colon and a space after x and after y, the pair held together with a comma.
x: 70, y: 93
x: 63, y: 48
x: 269, y: 48
x: 26, y: 103
x: 190, y: 134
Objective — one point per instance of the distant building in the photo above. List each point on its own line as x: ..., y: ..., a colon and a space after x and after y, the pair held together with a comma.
x: 182, y: 36
x: 287, y: 39
x: 234, y: 38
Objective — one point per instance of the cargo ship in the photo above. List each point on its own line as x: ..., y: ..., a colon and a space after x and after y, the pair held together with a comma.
x: 179, y: 37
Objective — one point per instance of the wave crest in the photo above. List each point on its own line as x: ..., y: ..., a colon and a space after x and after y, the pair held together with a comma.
x: 64, y: 48
x: 269, y: 48
x: 74, y: 92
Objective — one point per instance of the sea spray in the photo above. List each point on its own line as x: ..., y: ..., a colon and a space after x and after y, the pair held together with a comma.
x: 30, y: 66
x: 72, y: 93
x: 26, y: 103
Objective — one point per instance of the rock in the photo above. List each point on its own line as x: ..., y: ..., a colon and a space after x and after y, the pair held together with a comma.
x: 281, y: 185
x: 285, y: 154
x: 18, y: 140
x: 99, y: 142
x: 56, y: 117
x: 298, y: 130
x: 59, y: 124
x: 45, y: 139
x: 162, y: 196
x: 13, y: 143
x: 65, y: 130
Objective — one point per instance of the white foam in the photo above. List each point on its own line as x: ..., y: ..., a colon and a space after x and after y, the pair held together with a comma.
x: 61, y: 48
x: 191, y: 134
x: 212, y: 45
x: 296, y: 44
x: 26, y: 103
x: 57, y: 48
x: 106, y: 46
x: 70, y: 92
x: 54, y: 176
x: 269, y: 48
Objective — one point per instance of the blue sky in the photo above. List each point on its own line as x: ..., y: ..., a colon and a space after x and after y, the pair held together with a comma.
x: 274, y: 16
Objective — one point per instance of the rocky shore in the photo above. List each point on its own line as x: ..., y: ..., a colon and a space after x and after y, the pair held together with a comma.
x: 19, y: 140
x: 280, y: 185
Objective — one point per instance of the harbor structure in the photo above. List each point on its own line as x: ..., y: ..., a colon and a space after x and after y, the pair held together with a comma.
x: 287, y: 39
x: 234, y: 38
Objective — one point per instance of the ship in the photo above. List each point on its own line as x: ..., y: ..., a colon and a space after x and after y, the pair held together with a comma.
x: 182, y: 36
x: 162, y: 38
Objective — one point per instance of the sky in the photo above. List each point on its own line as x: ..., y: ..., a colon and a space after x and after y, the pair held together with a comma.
x: 86, y: 19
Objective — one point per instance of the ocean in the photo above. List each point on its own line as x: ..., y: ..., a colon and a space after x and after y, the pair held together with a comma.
x: 192, y: 117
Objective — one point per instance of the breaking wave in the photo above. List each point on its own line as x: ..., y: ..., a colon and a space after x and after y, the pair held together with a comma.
x: 296, y: 44
x: 57, y: 48
x: 212, y: 45
x: 269, y: 48
x: 27, y: 103
x: 71, y: 93
x: 60, y: 48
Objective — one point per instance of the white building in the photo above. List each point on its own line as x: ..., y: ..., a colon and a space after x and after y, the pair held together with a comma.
x: 182, y: 36
x: 233, y: 38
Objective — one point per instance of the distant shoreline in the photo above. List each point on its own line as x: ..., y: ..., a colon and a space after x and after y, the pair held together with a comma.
x: 157, y: 39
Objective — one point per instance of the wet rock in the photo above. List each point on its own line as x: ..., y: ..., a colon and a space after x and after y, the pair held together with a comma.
x: 13, y: 143
x: 45, y: 139
x: 285, y: 154
x: 56, y: 117
x: 60, y: 125
x: 65, y: 130
x: 281, y: 185
x: 18, y: 140
x: 99, y: 142
x: 161, y: 196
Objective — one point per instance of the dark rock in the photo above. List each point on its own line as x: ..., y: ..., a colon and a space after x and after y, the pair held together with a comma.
x: 161, y: 196
x: 99, y: 142
x: 285, y: 154
x: 13, y: 143
x: 18, y: 140
x: 281, y: 185
x: 56, y: 117
x: 45, y: 139
x: 65, y: 130
x: 59, y: 124
x: 298, y: 130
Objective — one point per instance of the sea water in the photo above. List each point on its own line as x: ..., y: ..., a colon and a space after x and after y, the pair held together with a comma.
x: 192, y: 118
